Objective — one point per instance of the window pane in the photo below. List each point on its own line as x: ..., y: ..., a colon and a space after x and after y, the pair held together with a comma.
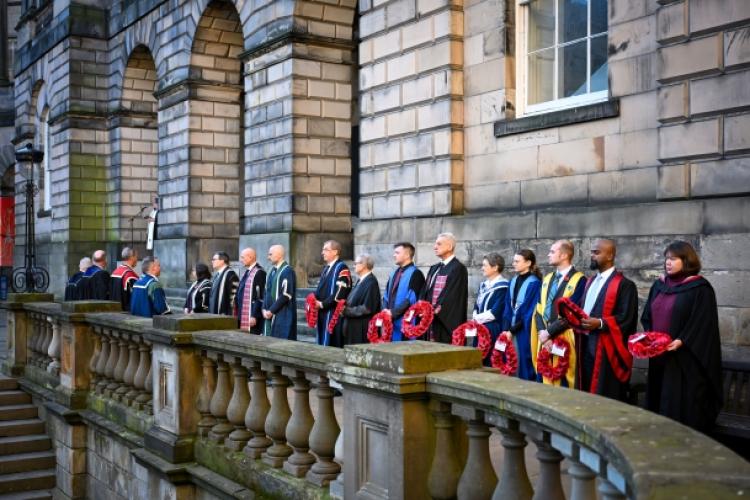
x: 572, y: 20
x: 598, y: 16
x: 541, y: 24
x: 572, y: 70
x: 599, y: 63
x: 541, y: 76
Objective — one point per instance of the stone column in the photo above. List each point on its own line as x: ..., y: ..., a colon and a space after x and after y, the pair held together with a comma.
x: 4, y: 76
x: 19, y: 329
x: 387, y: 423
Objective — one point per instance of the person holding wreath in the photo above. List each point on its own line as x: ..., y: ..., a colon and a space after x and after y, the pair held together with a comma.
x: 361, y: 304
x: 404, y: 286
x: 488, y: 309
x: 334, y: 286
x: 447, y: 290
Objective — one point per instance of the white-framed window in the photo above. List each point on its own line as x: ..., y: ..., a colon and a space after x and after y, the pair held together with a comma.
x: 561, y: 59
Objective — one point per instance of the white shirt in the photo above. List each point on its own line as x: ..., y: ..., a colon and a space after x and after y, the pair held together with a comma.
x: 565, y: 271
x: 596, y: 286
x: 447, y: 260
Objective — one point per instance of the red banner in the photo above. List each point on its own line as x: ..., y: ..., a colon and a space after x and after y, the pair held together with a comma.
x: 7, y: 230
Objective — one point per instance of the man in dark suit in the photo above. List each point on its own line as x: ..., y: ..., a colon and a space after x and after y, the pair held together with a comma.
x: 249, y: 299
x: 334, y: 285
x: 223, y: 285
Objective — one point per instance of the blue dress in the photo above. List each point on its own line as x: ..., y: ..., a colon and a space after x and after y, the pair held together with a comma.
x: 517, y: 317
x: 491, y: 299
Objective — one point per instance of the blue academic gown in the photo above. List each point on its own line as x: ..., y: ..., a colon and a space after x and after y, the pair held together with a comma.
x: 279, y: 298
x: 334, y: 285
x: 491, y: 297
x: 517, y: 317
x: 148, y: 298
x: 406, y: 295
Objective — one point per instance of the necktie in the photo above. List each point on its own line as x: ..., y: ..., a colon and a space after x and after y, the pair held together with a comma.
x: 592, y: 295
x: 324, y: 273
x: 394, y: 288
x: 246, y: 300
x: 551, y: 295
x: 434, y: 276
x: 213, y: 306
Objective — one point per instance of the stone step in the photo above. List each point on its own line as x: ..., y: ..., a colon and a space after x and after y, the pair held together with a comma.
x: 23, y: 444
x: 14, y: 397
x: 25, y: 481
x: 23, y: 462
x: 7, y: 383
x: 21, y: 427
x: 28, y: 495
x: 16, y: 412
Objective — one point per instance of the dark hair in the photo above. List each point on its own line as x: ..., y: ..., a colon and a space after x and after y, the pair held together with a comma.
x: 691, y: 263
x: 494, y: 259
x: 223, y: 256
x: 408, y: 246
x: 529, y: 255
x: 202, y: 272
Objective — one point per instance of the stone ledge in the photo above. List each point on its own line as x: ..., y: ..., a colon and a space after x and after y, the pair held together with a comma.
x: 590, y: 112
x: 406, y: 358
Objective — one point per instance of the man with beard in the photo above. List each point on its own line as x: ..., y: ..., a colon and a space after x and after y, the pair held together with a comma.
x: 611, y: 301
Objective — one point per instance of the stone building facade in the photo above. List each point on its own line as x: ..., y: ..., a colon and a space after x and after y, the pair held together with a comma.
x: 509, y: 123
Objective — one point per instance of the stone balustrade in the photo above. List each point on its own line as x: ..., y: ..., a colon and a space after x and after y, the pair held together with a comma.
x: 197, y: 408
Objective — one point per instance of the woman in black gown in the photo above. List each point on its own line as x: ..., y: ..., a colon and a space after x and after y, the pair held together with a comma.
x: 198, y: 294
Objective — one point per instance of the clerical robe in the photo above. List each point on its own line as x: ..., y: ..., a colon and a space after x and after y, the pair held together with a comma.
x: 95, y: 284
x: 121, y: 285
x: 279, y: 299
x: 249, y: 299
x: 520, y: 303
x: 334, y: 285
x: 447, y: 289
x: 685, y: 384
x: 616, y: 304
x: 72, y: 289
x: 401, y: 292
x: 488, y: 309
x: 223, y: 289
x: 198, y: 297
x: 148, y: 297
x: 361, y: 305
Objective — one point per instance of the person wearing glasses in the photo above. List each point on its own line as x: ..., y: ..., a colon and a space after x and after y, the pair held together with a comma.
x: 223, y: 286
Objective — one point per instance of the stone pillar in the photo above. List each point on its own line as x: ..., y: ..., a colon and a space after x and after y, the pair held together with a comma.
x: 4, y: 76
x: 176, y: 374
x: 19, y: 328
x: 389, y: 432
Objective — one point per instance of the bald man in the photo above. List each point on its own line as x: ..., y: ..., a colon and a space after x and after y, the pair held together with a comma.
x: 611, y: 301
x: 95, y: 283
x: 279, y: 305
x: 249, y: 299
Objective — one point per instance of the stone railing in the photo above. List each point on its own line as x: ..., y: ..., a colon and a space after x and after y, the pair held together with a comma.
x: 211, y: 410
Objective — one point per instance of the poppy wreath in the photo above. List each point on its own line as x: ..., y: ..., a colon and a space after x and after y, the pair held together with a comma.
x: 421, y: 310
x: 311, y: 310
x: 340, y: 305
x: 387, y: 328
x: 484, y: 342
x: 569, y: 310
x: 510, y: 364
x: 545, y: 361
x: 649, y: 345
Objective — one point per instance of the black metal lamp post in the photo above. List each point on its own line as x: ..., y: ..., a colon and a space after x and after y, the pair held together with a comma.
x: 30, y: 278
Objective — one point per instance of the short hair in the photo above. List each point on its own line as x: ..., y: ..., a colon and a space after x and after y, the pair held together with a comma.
x: 367, y: 260
x: 408, y: 246
x: 494, y: 259
x: 202, y: 272
x: 223, y: 256
x: 691, y: 263
x: 147, y: 263
x: 99, y: 256
x: 567, y: 247
x: 128, y: 252
x: 335, y: 245
x: 84, y: 262
x: 449, y: 237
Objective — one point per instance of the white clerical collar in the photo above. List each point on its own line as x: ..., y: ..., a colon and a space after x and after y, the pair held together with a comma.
x: 565, y: 271
x: 222, y: 269
x: 333, y: 263
x: 447, y: 260
x: 606, y: 274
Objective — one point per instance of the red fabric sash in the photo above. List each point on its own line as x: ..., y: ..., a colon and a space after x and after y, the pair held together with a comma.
x: 610, y: 341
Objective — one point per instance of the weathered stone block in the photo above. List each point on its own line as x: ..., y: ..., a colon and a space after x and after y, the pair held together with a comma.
x: 516, y: 165
x: 628, y: 185
x: 570, y: 158
x: 720, y: 177
x: 631, y: 39
x: 672, y: 21
x: 554, y: 191
x: 725, y: 252
x: 672, y: 102
x: 421, y: 203
x: 688, y: 140
x: 709, y: 95
x: 404, y: 177
x: 386, y: 206
x: 674, y: 182
x: 737, y: 132
x: 736, y: 47
x: 484, y: 77
x: 706, y: 14
x: 697, y: 57
x: 633, y: 75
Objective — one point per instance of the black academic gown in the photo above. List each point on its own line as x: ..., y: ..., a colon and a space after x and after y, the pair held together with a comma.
x: 71, y: 289
x: 685, y: 384
x: 625, y: 314
x: 361, y: 305
x: 95, y: 284
x: 223, y: 290
x: 452, y: 300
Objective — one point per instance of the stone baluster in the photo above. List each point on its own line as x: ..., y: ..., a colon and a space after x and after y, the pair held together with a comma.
x: 549, y: 486
x: 514, y: 480
x: 208, y: 386
x: 608, y: 490
x: 31, y: 341
x: 95, y: 357
x: 323, y: 437
x: 220, y: 402
x: 277, y: 420
x: 299, y: 427
x: 149, y: 406
x: 237, y: 408
x: 583, y: 484
x: 478, y: 479
x: 129, y: 391
x: 336, y: 487
x: 121, y: 364
x: 139, y: 380
x: 114, y: 355
x: 442, y: 483
x: 37, y: 340
x: 257, y: 412
x: 101, y: 363
x: 47, y: 328
x: 54, y: 347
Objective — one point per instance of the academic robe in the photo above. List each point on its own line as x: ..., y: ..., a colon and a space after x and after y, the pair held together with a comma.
x: 447, y: 289
x: 95, y: 284
x: 488, y: 309
x: 520, y: 302
x: 685, y: 384
x: 258, y: 287
x: 572, y: 286
x: 72, y: 291
x: 198, y: 296
x: 223, y: 289
x: 400, y: 296
x: 623, y: 315
x: 334, y: 285
x: 148, y: 298
x: 121, y: 285
x: 279, y: 298
x: 361, y: 306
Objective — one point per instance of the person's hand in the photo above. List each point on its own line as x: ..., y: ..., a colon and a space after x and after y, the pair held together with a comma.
x: 319, y: 304
x: 543, y: 336
x: 186, y: 311
x: 437, y: 309
x: 267, y: 314
x: 388, y: 312
x: 252, y: 322
x: 674, y: 345
x: 591, y: 323
x: 507, y: 335
x: 547, y: 345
